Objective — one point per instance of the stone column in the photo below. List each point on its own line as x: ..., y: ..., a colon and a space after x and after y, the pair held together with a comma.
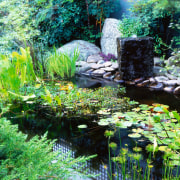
x: 135, y: 57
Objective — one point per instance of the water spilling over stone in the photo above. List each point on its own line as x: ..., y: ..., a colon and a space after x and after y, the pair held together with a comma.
x: 135, y: 57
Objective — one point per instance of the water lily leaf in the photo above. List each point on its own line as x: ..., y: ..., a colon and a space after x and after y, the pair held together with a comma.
x: 144, y: 107
x: 174, y: 120
x: 158, y: 109
x: 82, y: 126
x: 166, y: 140
x: 104, y: 112
x: 103, y: 123
x: 162, y: 134
x: 127, y: 123
x: 139, y: 130
x: 134, y: 135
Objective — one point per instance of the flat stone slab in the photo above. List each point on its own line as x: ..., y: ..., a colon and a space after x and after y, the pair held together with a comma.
x: 97, y: 66
x: 107, y: 64
x: 108, y: 69
x: 98, y: 72
x: 177, y: 90
x: 170, y: 82
x: 101, y: 62
x: 161, y: 79
x: 169, y: 89
x: 94, y: 58
x: 115, y: 65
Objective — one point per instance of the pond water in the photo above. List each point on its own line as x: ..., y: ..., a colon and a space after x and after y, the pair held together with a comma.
x: 90, y: 140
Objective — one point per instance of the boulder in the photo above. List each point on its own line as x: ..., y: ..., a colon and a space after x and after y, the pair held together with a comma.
x: 110, y: 33
x: 85, y: 49
x: 81, y: 69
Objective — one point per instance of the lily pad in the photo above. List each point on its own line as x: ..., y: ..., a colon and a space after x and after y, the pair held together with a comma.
x: 103, y: 123
x: 82, y: 126
x: 134, y: 135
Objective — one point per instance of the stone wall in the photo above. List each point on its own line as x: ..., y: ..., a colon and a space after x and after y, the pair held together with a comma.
x: 135, y: 57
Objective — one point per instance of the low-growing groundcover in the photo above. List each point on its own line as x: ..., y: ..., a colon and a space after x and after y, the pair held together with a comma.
x: 33, y: 159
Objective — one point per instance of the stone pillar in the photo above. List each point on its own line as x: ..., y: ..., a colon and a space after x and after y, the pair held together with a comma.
x: 135, y: 57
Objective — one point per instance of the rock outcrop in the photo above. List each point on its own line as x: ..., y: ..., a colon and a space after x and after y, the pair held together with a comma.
x: 110, y: 33
x: 85, y: 49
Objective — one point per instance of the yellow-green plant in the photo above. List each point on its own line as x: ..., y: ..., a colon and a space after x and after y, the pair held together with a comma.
x: 16, y: 71
x: 62, y: 64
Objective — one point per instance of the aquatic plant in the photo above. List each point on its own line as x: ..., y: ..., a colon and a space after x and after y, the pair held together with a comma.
x: 158, y: 125
x: 61, y: 64
x: 17, y: 71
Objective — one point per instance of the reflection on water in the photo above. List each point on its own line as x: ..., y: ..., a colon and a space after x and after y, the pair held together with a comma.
x: 87, y: 141
x: 142, y: 95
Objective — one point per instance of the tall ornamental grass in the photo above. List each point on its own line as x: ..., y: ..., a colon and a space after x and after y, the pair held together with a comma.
x: 61, y: 64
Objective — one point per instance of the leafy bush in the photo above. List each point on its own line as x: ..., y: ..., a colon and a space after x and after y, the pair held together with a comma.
x: 156, y: 18
x: 51, y: 22
x: 34, y: 159
x: 62, y: 64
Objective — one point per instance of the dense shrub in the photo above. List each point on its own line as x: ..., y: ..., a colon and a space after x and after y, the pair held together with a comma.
x: 51, y: 22
x: 156, y: 18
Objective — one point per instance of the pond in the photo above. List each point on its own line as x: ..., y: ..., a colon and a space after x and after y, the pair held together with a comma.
x: 90, y: 140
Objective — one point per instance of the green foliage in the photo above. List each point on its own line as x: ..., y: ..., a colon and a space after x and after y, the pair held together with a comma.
x: 62, y: 64
x: 16, y: 72
x: 50, y: 22
x: 33, y: 159
x: 158, y: 19
x: 162, y: 129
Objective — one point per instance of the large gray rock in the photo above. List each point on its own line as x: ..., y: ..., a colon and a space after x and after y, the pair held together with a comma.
x: 85, y: 49
x: 110, y: 33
